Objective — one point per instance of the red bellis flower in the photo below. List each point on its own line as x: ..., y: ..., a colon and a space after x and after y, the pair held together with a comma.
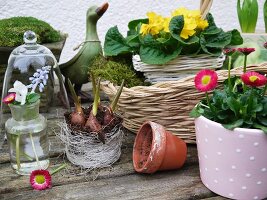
x: 229, y: 51
x: 254, y: 79
x: 206, y: 80
x: 40, y: 179
x: 9, y: 98
x: 246, y: 51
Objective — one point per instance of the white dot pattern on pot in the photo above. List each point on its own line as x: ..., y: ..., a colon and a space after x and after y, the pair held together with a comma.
x: 236, y: 171
x: 256, y: 144
x: 251, y: 158
x: 241, y: 136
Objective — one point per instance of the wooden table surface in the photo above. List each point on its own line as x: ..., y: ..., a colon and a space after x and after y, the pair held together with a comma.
x: 117, y: 182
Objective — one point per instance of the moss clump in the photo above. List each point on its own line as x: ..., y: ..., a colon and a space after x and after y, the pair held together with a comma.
x: 116, y: 72
x: 12, y: 30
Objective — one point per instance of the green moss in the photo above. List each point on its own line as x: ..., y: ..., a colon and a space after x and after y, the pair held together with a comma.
x: 12, y: 30
x: 115, y: 72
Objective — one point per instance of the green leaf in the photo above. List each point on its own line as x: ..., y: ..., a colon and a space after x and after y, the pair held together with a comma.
x: 236, y: 38
x: 211, y: 51
x: 154, y: 52
x: 247, y: 15
x: 133, y: 41
x: 212, y: 28
x: 158, y: 56
x: 262, y: 120
x: 32, y: 97
x: 132, y: 25
x: 115, y: 43
x: 222, y: 115
x: 219, y: 40
x: 265, y: 15
x: 235, y: 124
x: 176, y: 27
x: 195, y: 113
x: 263, y: 128
x: 234, y: 105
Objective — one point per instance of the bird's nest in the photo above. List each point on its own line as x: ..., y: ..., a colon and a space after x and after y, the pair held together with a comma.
x: 83, y: 148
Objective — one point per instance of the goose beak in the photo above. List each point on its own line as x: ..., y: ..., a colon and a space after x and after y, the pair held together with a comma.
x: 102, y: 9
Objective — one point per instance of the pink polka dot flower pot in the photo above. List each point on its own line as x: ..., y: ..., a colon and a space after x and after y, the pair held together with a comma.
x: 232, y: 163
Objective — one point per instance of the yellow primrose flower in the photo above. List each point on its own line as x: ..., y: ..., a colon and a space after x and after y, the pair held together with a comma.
x: 154, y: 26
x: 189, y: 28
x: 166, y: 24
x: 194, y: 14
x: 150, y: 29
x: 180, y: 11
x: 202, y: 24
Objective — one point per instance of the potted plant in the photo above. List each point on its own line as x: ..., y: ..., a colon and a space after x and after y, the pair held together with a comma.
x: 11, y: 36
x: 92, y: 135
x: 156, y: 149
x: 168, y: 48
x: 248, y: 16
x: 231, y: 133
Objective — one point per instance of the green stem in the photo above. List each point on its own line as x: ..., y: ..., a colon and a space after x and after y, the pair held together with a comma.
x: 34, y: 150
x: 208, y: 100
x: 264, y: 90
x: 229, y: 73
x: 26, y: 156
x: 17, y: 151
x: 245, y: 64
x: 117, y: 96
x: 96, y: 98
x: 58, y: 169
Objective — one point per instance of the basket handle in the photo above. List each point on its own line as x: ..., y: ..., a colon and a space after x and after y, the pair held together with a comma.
x: 205, y: 6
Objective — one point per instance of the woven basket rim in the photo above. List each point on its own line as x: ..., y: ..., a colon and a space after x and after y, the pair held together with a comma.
x: 169, y: 86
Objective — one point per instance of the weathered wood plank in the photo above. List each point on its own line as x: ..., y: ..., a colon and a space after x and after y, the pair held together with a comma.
x: 11, y: 182
x: 178, y: 184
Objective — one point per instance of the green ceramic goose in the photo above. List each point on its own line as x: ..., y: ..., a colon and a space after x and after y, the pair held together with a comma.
x: 76, y: 69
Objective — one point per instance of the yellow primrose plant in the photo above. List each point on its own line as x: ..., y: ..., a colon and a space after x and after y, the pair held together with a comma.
x: 158, y: 39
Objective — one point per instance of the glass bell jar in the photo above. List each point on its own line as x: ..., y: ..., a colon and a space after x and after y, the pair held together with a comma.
x: 29, y: 86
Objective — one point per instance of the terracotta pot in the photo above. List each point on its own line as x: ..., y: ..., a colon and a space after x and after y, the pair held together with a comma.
x: 156, y: 149
x: 232, y: 164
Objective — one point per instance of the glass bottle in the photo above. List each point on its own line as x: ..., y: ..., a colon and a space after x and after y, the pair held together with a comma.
x: 27, y: 138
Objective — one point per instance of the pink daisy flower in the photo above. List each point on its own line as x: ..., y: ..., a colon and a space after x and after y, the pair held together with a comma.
x: 9, y: 98
x: 246, y: 51
x: 40, y: 179
x: 206, y: 80
x: 229, y: 51
x: 254, y: 79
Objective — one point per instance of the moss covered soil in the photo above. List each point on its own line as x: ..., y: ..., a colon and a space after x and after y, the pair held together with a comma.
x: 12, y: 30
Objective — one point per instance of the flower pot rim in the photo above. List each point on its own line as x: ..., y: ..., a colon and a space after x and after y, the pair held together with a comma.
x: 157, y: 151
x: 245, y: 130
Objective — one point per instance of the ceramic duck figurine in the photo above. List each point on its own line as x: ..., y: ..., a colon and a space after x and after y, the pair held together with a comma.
x: 76, y: 69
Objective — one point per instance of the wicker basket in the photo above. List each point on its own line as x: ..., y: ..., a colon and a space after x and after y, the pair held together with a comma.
x: 181, y: 67
x: 167, y: 103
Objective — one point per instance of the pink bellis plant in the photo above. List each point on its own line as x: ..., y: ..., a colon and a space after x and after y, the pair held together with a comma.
x: 242, y: 101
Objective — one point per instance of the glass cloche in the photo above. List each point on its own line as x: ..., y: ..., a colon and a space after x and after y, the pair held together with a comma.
x: 24, y: 62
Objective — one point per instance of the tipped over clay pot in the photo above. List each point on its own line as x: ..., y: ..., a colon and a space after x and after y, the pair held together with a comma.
x: 156, y: 149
